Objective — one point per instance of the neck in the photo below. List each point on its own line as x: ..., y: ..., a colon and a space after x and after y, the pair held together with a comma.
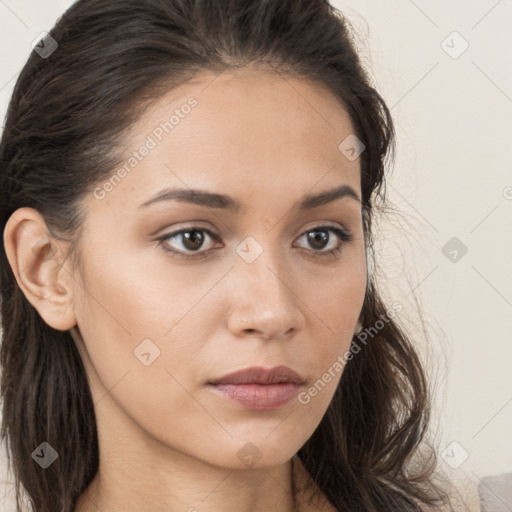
x: 138, y: 473
x: 183, y: 488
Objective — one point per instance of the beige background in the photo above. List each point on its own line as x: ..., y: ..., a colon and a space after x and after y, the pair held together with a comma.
x: 452, y: 178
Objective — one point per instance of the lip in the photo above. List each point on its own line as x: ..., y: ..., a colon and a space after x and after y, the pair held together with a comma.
x: 259, y: 388
x: 260, y: 375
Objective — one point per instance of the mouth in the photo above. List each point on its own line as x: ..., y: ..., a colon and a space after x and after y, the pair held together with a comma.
x: 258, y: 388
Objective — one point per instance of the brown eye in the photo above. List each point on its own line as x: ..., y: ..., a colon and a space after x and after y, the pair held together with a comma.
x: 319, y: 238
x: 191, y: 240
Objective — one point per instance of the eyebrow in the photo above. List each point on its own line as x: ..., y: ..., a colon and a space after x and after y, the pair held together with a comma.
x: 221, y: 201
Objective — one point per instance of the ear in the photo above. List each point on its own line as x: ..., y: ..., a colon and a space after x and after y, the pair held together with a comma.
x: 37, y: 261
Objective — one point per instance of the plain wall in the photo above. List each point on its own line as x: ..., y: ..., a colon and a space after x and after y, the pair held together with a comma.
x: 452, y: 178
x: 453, y: 175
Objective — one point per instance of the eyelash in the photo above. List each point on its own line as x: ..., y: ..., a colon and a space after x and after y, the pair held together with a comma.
x: 343, y: 234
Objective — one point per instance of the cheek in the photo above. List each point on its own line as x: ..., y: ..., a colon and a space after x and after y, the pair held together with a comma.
x: 134, y: 370
x: 338, y: 303
x: 335, y: 312
x: 123, y: 316
x: 127, y: 298
x: 140, y: 347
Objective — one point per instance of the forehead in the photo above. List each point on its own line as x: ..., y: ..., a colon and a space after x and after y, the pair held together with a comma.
x: 244, y: 131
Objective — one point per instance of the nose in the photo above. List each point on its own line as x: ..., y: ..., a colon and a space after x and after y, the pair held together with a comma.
x: 263, y: 301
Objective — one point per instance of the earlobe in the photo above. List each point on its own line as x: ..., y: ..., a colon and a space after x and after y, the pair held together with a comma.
x: 37, y: 261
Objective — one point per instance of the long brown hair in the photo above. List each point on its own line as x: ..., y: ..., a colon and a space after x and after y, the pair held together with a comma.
x: 63, y: 127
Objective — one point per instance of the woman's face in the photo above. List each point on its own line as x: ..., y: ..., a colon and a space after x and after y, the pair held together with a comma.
x: 162, y: 314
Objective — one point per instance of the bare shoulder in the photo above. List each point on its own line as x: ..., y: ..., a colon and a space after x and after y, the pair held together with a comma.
x: 463, y: 494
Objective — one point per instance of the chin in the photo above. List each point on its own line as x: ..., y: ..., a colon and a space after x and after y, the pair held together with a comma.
x: 257, y: 452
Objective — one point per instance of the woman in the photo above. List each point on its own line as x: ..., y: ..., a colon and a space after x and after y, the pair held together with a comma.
x: 190, y: 321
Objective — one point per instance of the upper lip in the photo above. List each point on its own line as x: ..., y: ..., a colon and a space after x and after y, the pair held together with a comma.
x: 260, y: 375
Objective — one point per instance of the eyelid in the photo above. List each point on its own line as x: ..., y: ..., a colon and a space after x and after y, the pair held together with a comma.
x: 184, y: 255
x: 341, y: 232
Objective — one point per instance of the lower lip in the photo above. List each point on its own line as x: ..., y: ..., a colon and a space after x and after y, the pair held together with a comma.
x: 259, y: 396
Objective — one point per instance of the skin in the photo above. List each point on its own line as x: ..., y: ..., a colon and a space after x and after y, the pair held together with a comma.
x: 167, y: 443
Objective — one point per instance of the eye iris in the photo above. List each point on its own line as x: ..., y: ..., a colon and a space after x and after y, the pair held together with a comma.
x: 196, y: 237
x: 314, y: 238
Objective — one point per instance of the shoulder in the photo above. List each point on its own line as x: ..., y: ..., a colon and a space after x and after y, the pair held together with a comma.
x: 463, y: 495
